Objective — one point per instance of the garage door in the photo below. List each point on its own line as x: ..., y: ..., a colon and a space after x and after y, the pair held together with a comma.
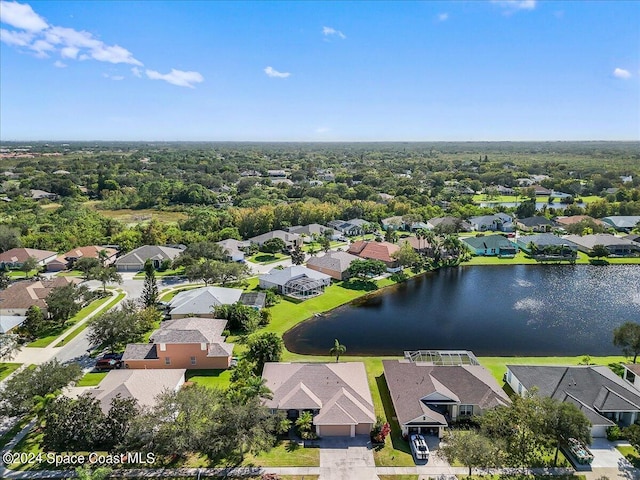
x: 335, y: 430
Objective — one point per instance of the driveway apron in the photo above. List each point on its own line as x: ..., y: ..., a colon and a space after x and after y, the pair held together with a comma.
x: 347, y: 459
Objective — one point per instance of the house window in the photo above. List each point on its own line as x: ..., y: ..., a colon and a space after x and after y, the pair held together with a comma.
x: 465, y: 410
x: 519, y: 389
x: 167, y: 360
x: 193, y: 360
x: 163, y: 347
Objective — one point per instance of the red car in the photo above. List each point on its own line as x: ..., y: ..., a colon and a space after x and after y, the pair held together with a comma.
x: 109, y: 361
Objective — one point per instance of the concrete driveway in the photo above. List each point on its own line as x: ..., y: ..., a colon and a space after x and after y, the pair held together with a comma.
x: 605, y: 455
x: 347, y: 459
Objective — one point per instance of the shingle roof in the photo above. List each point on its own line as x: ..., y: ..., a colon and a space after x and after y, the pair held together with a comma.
x: 622, y: 221
x: 91, y: 251
x: 190, y: 330
x: 489, y: 242
x: 281, y: 234
x: 142, y: 254
x: 606, y: 239
x: 19, y: 255
x: 140, y: 351
x: 23, y: 294
x: 576, y: 219
x: 201, y: 301
x: 543, y: 239
x: 143, y: 385
x: 594, y: 387
x: 339, y: 390
x: 337, y: 261
x: 535, y: 221
x: 410, y: 382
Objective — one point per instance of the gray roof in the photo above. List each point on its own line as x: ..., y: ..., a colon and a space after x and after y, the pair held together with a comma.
x: 253, y: 299
x: 284, y: 236
x: 634, y: 237
x: 144, y: 385
x: 543, y: 239
x: 140, y: 351
x: 281, y: 277
x: 535, y: 221
x: 597, y: 389
x: 190, y: 330
x: 489, y: 242
x: 337, y: 261
x: 489, y: 219
x: 453, y: 221
x: 311, y: 229
x: 606, y: 239
x: 154, y: 252
x: 622, y: 221
x: 7, y: 322
x: 410, y: 382
x: 339, y: 390
x: 201, y: 301
x: 231, y: 245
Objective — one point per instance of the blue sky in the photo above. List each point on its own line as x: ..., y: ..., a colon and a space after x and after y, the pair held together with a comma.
x: 320, y: 71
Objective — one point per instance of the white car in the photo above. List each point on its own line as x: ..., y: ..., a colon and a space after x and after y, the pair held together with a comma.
x: 419, y: 447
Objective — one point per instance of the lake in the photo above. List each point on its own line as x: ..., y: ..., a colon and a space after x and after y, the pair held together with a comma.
x: 527, y: 310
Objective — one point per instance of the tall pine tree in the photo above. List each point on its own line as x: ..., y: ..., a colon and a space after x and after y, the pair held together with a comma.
x: 150, y: 290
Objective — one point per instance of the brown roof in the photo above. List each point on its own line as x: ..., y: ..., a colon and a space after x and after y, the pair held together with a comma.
x: 27, y: 293
x: 633, y: 367
x: 374, y: 250
x: 411, y: 382
x: 19, y: 255
x: 91, y: 251
x: 415, y: 242
x: 576, y: 219
x: 339, y: 390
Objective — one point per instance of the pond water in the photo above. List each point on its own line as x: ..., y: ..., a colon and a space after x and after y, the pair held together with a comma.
x: 528, y: 310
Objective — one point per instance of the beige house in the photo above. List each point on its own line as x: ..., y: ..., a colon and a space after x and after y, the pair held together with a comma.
x: 337, y: 394
x: 19, y: 296
x: 142, y: 385
x: 182, y: 343
x: 334, y: 264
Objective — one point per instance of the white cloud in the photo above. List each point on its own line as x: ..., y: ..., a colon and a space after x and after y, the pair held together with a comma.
x: 621, y: 73
x: 41, y: 47
x: 511, y: 6
x: 19, y: 39
x: 443, y: 17
x: 329, y: 31
x: 136, y: 72
x: 69, y: 52
x: 177, y: 77
x: 59, y: 64
x: 114, y: 54
x: 113, y: 77
x: 273, y: 73
x: 22, y: 16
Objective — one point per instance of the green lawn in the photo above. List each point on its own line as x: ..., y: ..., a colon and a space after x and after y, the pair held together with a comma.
x: 70, y: 273
x: 13, y: 431
x: 266, y: 258
x: 7, y: 369
x: 630, y: 454
x: 76, y: 332
x: 91, y: 379
x: 54, y: 333
x: 522, y: 259
x: 285, y: 454
x: 210, y: 378
x: 18, y: 274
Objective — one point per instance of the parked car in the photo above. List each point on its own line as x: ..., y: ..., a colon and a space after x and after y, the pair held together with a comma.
x: 109, y: 361
x: 419, y: 447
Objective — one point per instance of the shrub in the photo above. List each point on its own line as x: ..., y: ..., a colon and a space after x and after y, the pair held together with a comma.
x: 614, y: 433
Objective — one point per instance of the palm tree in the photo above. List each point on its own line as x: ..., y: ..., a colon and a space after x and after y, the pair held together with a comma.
x: 337, y: 350
x: 255, y: 387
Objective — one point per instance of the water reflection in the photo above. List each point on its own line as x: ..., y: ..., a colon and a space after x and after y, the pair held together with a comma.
x: 519, y: 310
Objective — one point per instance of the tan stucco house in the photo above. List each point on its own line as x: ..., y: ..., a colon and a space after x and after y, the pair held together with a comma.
x: 182, y: 343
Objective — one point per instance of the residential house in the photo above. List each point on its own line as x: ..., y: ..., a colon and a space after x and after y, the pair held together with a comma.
x: 142, y: 385
x: 600, y: 394
x: 42, y: 195
x: 337, y: 395
x: 547, y: 245
x: 350, y: 228
x: 233, y: 248
x: 182, y: 343
x: 134, y: 260
x: 617, y: 246
x: 290, y: 240
x: 370, y: 250
x: 308, y: 232
x: 572, y: 220
x: 200, y: 302
x: 634, y: 237
x: 429, y: 390
x: 535, y: 224
x: 19, y: 296
x: 334, y: 264
x: 398, y: 223
x: 622, y: 223
x: 502, y: 190
x: 452, y: 224
x: 498, y: 222
x: 632, y: 374
x: 491, y: 245
x: 540, y: 190
x: 91, y: 251
x: 276, y: 173
x: 14, y: 258
x: 420, y: 245
x: 295, y: 281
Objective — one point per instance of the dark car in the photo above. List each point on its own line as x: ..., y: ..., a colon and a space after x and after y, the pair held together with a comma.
x: 109, y: 361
